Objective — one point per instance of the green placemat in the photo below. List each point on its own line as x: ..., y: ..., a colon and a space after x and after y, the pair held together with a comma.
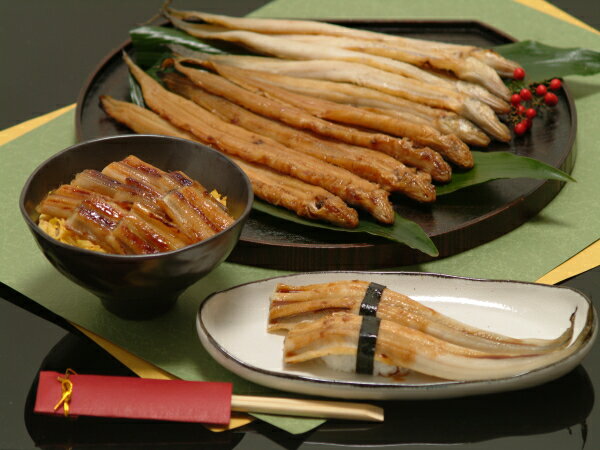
x: 562, y: 229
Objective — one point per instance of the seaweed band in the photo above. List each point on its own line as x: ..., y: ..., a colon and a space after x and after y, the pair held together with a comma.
x: 370, y: 302
x: 369, y: 328
x: 367, y: 340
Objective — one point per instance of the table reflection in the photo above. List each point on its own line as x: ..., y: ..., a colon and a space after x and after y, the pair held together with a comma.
x: 556, y: 405
x: 563, y: 403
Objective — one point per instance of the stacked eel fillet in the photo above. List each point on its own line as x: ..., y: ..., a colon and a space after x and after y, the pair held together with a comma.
x: 132, y: 207
x: 370, y: 329
x: 334, y: 118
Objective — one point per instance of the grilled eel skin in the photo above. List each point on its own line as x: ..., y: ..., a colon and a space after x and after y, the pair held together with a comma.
x: 118, y: 226
x: 401, y: 149
x: 464, y: 67
x: 452, y: 148
x: 282, y: 47
x: 370, y: 77
x: 444, y: 121
x: 183, y: 213
x: 258, y: 149
x: 404, y: 347
x: 304, y: 199
x: 489, y: 57
x: 375, y: 166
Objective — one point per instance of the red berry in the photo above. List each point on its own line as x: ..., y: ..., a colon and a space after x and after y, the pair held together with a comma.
x: 518, y: 73
x: 515, y: 99
x: 525, y: 94
x: 550, y: 99
x: 528, y: 122
x: 521, y: 110
x: 541, y: 90
x: 555, y: 84
x: 520, y: 128
x: 530, y: 113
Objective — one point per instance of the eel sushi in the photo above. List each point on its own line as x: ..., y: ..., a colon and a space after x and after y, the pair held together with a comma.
x: 291, y: 305
x: 369, y: 345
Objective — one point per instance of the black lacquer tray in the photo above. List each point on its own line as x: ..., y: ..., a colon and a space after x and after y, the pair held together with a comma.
x: 456, y: 222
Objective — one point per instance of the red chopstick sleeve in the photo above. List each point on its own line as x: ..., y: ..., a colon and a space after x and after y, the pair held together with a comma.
x: 137, y: 398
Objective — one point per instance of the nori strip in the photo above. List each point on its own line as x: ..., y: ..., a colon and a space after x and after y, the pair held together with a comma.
x: 370, y: 302
x: 367, y: 339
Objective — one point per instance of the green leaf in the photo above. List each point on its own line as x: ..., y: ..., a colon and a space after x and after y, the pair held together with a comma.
x: 150, y: 43
x: 403, y: 231
x: 495, y: 165
x: 542, y: 61
x: 135, y: 91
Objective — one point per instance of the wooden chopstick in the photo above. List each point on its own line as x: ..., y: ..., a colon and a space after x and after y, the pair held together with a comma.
x: 323, y: 409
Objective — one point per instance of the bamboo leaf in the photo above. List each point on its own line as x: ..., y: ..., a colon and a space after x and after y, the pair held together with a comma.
x: 403, y: 231
x: 150, y: 43
x: 135, y: 91
x: 495, y: 165
x: 542, y: 61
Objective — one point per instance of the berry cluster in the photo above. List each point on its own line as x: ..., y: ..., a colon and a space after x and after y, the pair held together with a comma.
x: 526, y: 102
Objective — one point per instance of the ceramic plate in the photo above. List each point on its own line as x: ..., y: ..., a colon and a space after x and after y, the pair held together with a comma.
x: 232, y: 327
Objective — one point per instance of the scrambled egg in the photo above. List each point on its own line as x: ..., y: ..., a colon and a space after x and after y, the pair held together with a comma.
x: 219, y: 197
x: 55, y: 227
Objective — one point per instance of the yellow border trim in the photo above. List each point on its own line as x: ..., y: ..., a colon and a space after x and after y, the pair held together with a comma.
x: 551, y: 10
x: 585, y: 260
x: 22, y: 128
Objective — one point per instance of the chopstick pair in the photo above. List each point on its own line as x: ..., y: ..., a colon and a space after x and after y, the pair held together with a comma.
x: 323, y: 409
x: 75, y: 395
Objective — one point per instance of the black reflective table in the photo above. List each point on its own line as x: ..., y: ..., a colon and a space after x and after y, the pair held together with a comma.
x: 556, y: 415
x: 37, y: 34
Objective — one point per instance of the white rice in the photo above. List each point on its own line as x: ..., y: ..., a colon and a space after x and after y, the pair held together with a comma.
x: 347, y: 363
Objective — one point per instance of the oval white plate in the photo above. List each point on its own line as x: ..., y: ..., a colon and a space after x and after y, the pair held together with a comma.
x: 232, y: 326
